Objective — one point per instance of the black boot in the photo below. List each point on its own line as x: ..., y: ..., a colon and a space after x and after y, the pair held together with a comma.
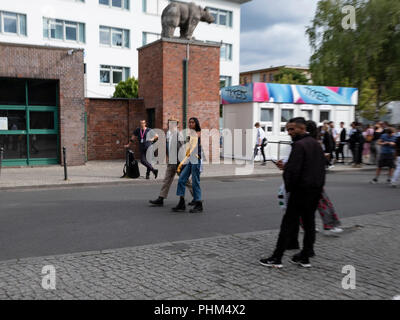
x: 192, y: 203
x: 147, y: 175
x: 159, y: 202
x: 198, y: 207
x: 155, y: 172
x: 181, y: 207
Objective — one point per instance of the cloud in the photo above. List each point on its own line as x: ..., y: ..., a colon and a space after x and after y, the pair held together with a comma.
x: 273, y: 33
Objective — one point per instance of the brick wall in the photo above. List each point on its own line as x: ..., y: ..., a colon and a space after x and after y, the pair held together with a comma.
x: 110, y: 123
x: 40, y: 62
x: 161, y: 83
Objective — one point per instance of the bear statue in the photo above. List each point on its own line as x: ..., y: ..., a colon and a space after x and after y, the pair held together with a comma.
x: 183, y: 15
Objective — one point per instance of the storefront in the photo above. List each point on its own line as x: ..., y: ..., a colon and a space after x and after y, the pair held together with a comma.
x: 42, y: 105
x: 29, y: 124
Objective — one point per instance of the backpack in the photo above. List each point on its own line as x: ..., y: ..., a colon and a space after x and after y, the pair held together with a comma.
x: 131, y: 167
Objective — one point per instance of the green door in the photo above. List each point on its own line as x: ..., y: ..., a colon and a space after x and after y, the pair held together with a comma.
x: 29, y: 127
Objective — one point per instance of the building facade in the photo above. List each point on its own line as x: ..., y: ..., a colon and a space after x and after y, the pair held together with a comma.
x: 42, y: 105
x: 110, y: 31
x: 267, y: 75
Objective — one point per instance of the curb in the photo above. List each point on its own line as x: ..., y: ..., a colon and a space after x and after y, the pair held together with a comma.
x: 156, y: 182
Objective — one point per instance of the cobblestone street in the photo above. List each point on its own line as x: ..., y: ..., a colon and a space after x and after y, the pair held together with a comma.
x: 223, y: 267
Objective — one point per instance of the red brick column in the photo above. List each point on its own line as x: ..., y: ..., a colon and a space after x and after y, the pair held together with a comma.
x: 161, y: 80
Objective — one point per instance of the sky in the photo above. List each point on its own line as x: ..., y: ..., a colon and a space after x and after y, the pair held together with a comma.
x: 273, y: 33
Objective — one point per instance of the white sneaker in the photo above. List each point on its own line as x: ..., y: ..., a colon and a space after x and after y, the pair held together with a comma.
x: 333, y: 231
x: 331, y: 167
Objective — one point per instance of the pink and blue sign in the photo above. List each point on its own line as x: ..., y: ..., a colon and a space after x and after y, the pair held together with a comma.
x: 286, y: 93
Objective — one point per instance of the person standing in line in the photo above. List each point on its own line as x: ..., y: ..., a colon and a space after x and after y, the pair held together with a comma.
x: 356, y: 141
x: 191, y: 166
x: 261, y: 142
x: 368, y: 135
x: 396, y: 174
x: 328, y: 143
x: 146, y: 137
x: 387, y: 156
x: 341, y: 143
x: 334, y: 136
x: 174, y: 144
x: 304, y: 177
x: 374, y: 149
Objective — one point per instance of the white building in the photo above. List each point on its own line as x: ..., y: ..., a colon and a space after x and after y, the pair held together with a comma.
x: 110, y: 31
x: 272, y: 105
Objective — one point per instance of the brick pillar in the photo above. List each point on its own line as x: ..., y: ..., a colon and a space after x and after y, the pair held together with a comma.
x: 161, y: 80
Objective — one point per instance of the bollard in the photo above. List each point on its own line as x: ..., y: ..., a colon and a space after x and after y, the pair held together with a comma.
x: 1, y: 158
x: 65, y: 164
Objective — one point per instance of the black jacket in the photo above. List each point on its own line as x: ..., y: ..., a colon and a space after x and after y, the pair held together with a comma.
x: 305, y: 168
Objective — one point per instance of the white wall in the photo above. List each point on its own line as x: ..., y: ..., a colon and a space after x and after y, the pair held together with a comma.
x: 238, y: 116
x: 93, y: 15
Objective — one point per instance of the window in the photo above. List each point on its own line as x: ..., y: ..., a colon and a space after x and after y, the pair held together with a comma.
x: 222, y: 17
x: 154, y: 6
x: 123, y: 4
x: 64, y: 30
x: 307, y: 114
x: 113, y: 74
x: 324, y: 115
x: 267, y: 115
x: 286, y: 115
x: 225, y: 81
x: 149, y: 37
x: 114, y: 37
x: 71, y: 31
x: 264, y: 78
x: 271, y: 77
x: 13, y: 23
x: 226, y: 51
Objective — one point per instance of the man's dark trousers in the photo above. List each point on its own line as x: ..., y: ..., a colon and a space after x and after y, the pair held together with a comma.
x: 301, y: 204
x: 144, y: 161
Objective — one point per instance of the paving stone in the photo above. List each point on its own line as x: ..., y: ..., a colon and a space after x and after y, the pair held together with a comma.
x: 223, y: 267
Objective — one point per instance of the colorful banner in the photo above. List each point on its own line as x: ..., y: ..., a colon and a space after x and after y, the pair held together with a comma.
x: 286, y: 93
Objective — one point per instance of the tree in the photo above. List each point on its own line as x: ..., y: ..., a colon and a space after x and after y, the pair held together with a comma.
x: 290, y: 76
x: 127, y: 89
x: 366, y: 57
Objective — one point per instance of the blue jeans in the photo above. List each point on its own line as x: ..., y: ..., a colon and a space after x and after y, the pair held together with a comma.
x: 194, y: 170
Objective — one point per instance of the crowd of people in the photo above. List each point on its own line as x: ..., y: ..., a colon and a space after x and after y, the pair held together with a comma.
x: 369, y: 144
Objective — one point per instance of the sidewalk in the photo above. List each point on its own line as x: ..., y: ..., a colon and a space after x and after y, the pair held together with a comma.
x: 224, y: 267
x: 109, y: 172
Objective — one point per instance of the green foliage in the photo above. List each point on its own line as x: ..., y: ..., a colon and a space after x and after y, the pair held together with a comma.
x: 290, y: 76
x: 127, y: 89
x: 366, y: 58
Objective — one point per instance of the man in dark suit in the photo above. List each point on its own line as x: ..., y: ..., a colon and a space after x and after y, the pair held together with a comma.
x: 342, y: 142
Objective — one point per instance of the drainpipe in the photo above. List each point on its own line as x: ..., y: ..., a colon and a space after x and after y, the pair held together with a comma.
x: 185, y: 87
